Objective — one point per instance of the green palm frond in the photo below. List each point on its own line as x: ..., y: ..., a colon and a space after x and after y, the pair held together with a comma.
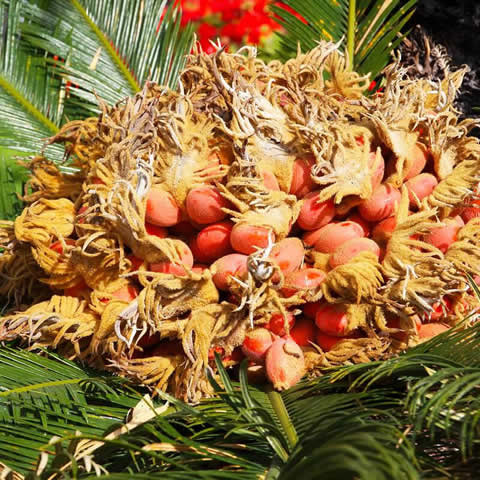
x: 447, y: 403
x: 242, y: 433
x: 31, y: 102
x: 42, y: 397
x: 109, y: 48
x: 30, y: 98
x: 369, y: 30
x: 413, y: 416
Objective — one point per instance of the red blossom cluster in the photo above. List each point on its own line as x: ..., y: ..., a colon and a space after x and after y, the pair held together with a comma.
x: 234, y: 22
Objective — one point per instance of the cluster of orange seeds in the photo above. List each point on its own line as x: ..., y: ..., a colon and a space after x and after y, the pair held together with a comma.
x: 267, y: 211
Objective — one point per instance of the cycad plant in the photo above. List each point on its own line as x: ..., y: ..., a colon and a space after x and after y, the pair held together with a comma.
x: 414, y: 416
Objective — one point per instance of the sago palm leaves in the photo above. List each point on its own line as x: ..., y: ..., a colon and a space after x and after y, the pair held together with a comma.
x: 414, y: 416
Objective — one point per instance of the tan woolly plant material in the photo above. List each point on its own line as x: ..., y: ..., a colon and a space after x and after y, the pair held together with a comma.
x: 343, y: 166
x: 442, y: 96
x: 19, y: 274
x: 45, y: 219
x: 47, y: 181
x: 184, y: 163
x: 82, y: 143
x: 168, y: 296
x: 417, y: 273
x: 357, y: 281
x: 18, y: 269
x: 107, y: 339
x: 211, y: 325
x: 464, y: 254
x: 125, y: 330
x: 61, y: 322
x: 392, y: 117
x: 343, y: 81
x: 253, y: 203
x: 155, y: 371
x: 322, y: 70
x: 449, y: 144
x: 258, y: 125
x: 129, y: 165
x: 459, y: 185
x: 98, y: 260
x: 359, y: 315
x: 347, y: 351
x: 7, y: 234
x: 59, y: 268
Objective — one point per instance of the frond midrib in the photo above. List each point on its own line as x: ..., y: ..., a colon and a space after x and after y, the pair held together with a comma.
x: 108, y: 47
x: 39, y: 386
x: 28, y: 106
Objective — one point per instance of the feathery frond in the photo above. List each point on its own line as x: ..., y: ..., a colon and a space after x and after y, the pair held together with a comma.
x: 30, y: 97
x: 55, y: 62
x: 109, y: 49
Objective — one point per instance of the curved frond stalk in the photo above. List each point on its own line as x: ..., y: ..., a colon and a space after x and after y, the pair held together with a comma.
x: 27, y: 105
x: 108, y: 47
x: 282, y: 415
x: 351, y: 33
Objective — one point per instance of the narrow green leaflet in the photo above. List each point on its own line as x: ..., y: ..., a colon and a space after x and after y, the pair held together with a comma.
x: 12, y: 176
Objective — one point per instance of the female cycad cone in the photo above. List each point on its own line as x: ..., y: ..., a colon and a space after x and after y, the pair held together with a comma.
x: 304, y: 224
x: 285, y: 363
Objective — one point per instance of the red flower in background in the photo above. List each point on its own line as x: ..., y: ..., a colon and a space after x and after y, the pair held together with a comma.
x: 194, y: 10
x: 233, y: 21
x: 206, y: 33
